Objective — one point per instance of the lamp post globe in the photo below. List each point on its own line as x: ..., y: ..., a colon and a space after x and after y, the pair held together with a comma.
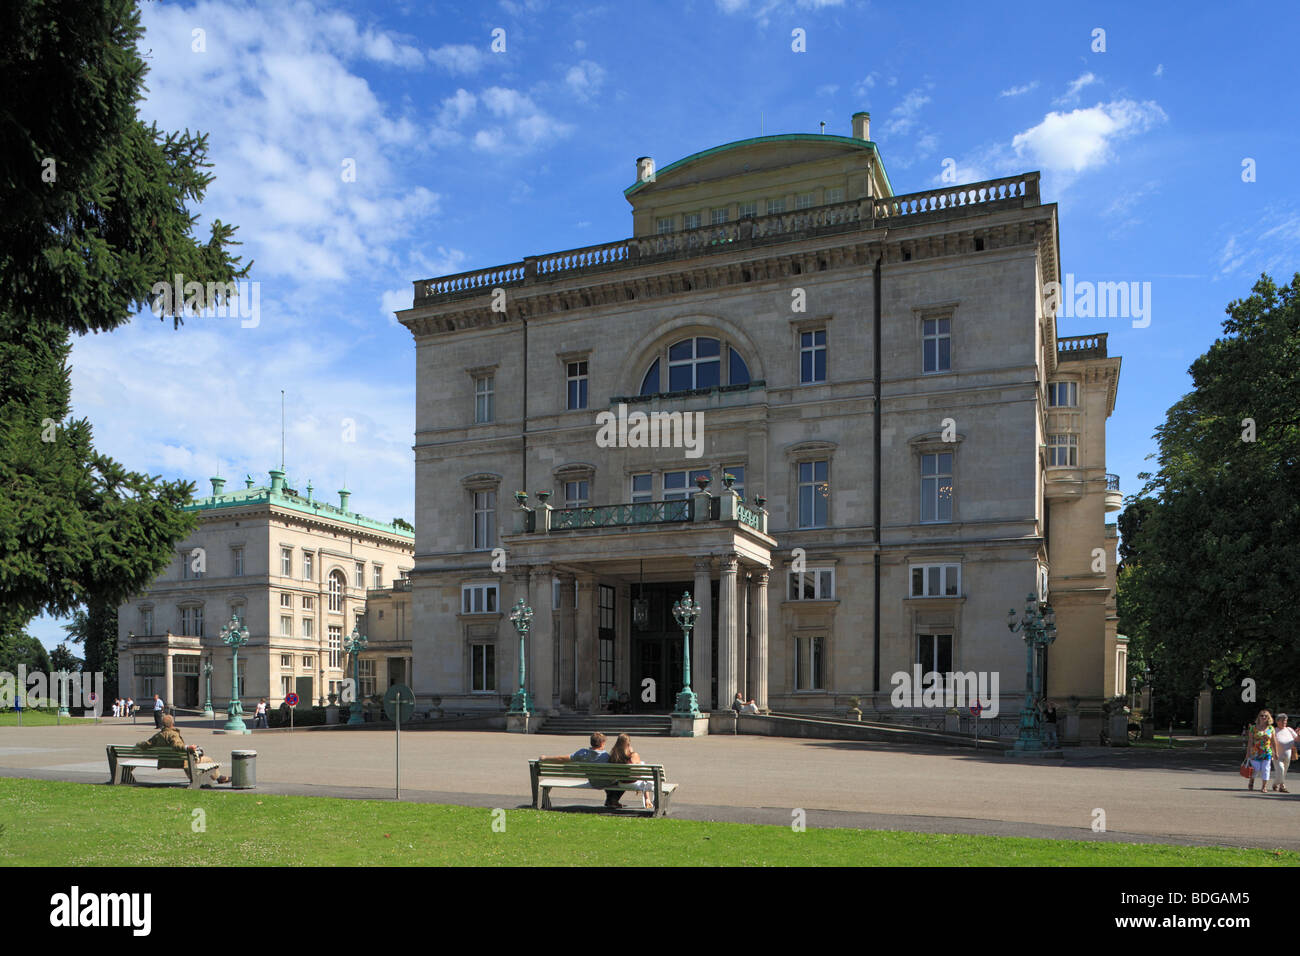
x: 521, y: 616
x: 686, y: 611
x: 234, y: 635
x: 1039, y: 628
x: 354, y: 645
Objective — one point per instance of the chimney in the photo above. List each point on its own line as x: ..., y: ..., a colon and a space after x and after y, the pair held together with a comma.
x: 862, y: 126
x: 217, y: 485
x: 277, y: 481
x: 248, y: 481
x: 645, y: 169
x: 344, y: 495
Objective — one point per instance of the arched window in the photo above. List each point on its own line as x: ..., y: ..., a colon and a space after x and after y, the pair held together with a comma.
x: 697, y: 362
x: 337, y: 585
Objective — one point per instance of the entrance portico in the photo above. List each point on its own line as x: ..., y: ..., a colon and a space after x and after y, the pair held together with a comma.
x: 654, y: 552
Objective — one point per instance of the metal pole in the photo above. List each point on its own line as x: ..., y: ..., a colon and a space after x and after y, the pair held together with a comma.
x: 398, y: 719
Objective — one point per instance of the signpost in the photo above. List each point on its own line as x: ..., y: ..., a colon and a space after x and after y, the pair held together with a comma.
x: 18, y: 706
x: 399, y: 705
x: 975, y: 710
x: 292, y: 701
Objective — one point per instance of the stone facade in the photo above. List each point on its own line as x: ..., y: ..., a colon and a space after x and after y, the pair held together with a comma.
x: 877, y: 372
x: 297, y: 610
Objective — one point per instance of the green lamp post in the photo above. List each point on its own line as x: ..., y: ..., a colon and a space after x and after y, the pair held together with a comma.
x: 521, y: 616
x: 207, y: 698
x: 234, y: 635
x: 686, y: 611
x: 1038, y: 624
x: 354, y: 645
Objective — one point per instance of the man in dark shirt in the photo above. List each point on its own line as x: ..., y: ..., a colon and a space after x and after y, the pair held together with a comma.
x: 594, y: 754
x: 169, y: 736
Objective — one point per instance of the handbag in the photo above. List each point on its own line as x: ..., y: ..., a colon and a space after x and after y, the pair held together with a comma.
x: 1244, y: 769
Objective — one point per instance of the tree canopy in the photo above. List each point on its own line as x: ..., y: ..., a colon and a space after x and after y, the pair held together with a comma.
x: 1211, y: 551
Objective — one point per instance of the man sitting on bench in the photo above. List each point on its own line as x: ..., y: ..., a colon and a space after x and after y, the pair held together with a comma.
x: 169, y: 736
x: 593, y: 754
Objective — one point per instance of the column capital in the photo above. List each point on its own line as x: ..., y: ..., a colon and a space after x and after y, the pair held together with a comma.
x: 760, y: 577
x: 728, y: 562
x: 704, y: 564
x: 541, y: 571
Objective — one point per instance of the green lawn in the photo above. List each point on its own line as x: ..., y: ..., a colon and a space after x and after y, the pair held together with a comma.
x: 40, y: 718
x: 69, y: 824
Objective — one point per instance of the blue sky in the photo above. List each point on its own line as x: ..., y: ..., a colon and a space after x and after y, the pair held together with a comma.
x: 466, y: 157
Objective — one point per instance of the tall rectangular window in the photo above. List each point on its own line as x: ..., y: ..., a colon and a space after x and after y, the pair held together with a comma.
x: 814, y: 493
x: 642, y: 488
x: 286, y: 661
x: 307, y: 565
x: 484, y: 398
x: 812, y: 356
x: 749, y: 209
x: 379, y: 577
x: 238, y: 555
x: 803, y: 201
x: 146, y: 621
x: 192, y: 622
x: 286, y: 625
x: 1063, y: 394
x: 366, y: 672
x: 307, y: 627
x: 483, y: 667
x: 679, y: 485
x: 336, y: 646
x: 936, y: 345
x: 691, y: 220
x: 808, y: 653
x: 664, y: 225
x: 1063, y: 451
x: 576, y: 379
x: 718, y: 216
x: 576, y: 494
x: 360, y: 574
x: 286, y: 599
x: 485, y: 520
x: 605, y: 636
x: 936, y: 487
x: 775, y: 206
x: 286, y: 562
x: 307, y: 602
x: 934, y: 653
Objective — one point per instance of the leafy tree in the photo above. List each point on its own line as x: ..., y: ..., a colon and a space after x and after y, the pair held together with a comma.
x: 1212, y: 552
x: 403, y: 524
x: 62, y: 659
x: 95, y: 211
x: 21, y: 648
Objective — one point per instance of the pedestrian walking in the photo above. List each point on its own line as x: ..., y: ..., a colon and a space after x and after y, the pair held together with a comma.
x: 259, y: 717
x: 1284, y: 740
x: 1259, y: 750
x: 158, y: 706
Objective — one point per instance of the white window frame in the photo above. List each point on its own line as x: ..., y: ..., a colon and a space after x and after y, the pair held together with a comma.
x: 932, y: 484
x: 484, y: 504
x: 948, y: 574
x: 834, y: 194
x: 237, y: 561
x: 690, y: 220
x: 480, y: 594
x: 484, y: 399
x: 804, y: 201
x: 814, y: 484
x: 1065, y: 388
x: 749, y: 209
x: 309, y: 661
x: 822, y: 579
x: 577, y: 494
x: 644, y: 496
x: 378, y: 577
x: 718, y: 216
x: 811, y: 350
x: 335, y: 646
x: 775, y: 205
x: 308, y: 628
x: 1063, y: 446
x: 663, y: 225
x: 286, y: 625
x: 286, y: 562
x: 286, y: 600
x: 576, y: 374
x: 308, y: 565
x: 681, y: 494
x: 308, y: 604
x: 940, y: 332
x: 338, y: 590
x: 360, y: 576
x: 286, y: 660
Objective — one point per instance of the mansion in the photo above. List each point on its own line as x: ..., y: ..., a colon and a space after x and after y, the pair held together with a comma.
x: 299, y: 573
x: 846, y: 424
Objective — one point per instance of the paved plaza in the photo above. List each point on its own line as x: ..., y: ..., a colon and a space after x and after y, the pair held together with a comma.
x: 1187, y: 796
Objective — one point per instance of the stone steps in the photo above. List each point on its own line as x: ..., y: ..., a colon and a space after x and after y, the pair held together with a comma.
x: 611, y: 725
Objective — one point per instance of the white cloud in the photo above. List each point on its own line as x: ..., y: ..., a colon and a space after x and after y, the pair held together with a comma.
x: 762, y: 10
x: 828, y: 89
x: 1160, y: 70
x: 1071, y: 95
x: 1084, y: 138
x: 1020, y: 90
x: 585, y: 79
x: 1271, y: 245
x: 904, y: 116
x: 459, y: 57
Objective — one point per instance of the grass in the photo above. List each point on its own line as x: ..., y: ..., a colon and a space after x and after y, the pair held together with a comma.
x: 40, y: 718
x: 46, y: 823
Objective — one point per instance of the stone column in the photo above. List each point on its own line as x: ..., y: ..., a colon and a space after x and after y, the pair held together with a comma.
x: 167, y: 681
x: 758, y: 639
x: 702, y: 638
x: 585, y: 637
x: 565, y: 643
x: 742, y: 633
x: 728, y: 619
x: 541, y: 657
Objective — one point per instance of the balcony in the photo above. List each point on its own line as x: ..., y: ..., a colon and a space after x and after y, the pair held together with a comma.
x: 545, y: 519
x: 1076, y: 348
x: 954, y: 202
x: 1114, y: 500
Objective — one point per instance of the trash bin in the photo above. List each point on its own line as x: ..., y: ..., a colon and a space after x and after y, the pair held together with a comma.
x: 243, y: 769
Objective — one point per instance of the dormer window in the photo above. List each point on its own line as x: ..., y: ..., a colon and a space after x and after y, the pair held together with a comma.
x: 698, y: 362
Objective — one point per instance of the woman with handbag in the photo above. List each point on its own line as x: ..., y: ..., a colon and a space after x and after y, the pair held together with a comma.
x: 1259, y: 751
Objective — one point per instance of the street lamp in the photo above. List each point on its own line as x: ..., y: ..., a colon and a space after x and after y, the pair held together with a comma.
x: 354, y: 645
x: 1039, y: 627
x: 521, y: 616
x: 686, y: 611
x: 207, y: 699
x: 234, y: 635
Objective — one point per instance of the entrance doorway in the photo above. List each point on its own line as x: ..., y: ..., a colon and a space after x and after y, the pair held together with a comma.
x: 656, y: 669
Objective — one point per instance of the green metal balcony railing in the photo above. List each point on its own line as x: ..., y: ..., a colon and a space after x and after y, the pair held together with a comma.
x: 613, y: 516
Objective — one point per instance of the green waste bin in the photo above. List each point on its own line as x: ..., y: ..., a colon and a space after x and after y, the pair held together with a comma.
x: 243, y: 769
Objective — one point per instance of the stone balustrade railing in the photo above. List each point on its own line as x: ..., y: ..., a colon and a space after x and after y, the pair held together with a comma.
x: 954, y: 202
x: 1081, y: 346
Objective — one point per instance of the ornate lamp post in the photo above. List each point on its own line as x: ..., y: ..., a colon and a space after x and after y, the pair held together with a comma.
x: 1039, y: 627
x: 234, y: 635
x: 521, y: 616
x: 207, y: 698
x: 354, y: 645
x: 686, y: 611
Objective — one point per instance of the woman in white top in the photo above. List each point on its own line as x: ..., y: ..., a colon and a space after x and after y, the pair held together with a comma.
x: 1284, y: 748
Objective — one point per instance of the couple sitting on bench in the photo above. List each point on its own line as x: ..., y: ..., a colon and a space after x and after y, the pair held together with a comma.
x: 169, y: 736
x: 621, y: 752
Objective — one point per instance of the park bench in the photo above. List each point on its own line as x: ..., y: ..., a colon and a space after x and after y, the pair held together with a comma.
x: 124, y: 760
x: 547, y: 774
